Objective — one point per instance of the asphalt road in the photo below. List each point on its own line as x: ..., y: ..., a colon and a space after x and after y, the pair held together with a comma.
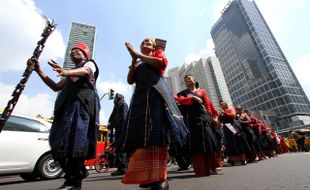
x: 286, y: 172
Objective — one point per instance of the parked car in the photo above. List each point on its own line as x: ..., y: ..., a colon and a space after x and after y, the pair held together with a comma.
x: 25, y: 149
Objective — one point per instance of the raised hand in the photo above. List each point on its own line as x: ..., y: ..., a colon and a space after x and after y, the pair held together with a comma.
x: 134, y: 54
x: 61, y: 71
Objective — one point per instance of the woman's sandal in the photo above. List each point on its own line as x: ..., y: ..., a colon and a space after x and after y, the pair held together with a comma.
x: 161, y: 186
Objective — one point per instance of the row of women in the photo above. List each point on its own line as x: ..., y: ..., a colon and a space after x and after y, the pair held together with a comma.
x: 231, y: 132
x: 148, y: 132
x: 153, y: 121
x: 246, y: 139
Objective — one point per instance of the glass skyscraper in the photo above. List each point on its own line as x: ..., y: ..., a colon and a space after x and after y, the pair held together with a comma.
x: 257, y: 73
x: 80, y: 33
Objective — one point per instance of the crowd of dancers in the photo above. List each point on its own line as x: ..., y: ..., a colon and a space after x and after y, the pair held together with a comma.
x: 152, y: 125
x: 231, y: 133
x: 238, y: 138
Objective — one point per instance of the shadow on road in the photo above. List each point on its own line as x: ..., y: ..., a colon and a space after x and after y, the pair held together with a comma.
x: 101, y: 178
x: 21, y: 181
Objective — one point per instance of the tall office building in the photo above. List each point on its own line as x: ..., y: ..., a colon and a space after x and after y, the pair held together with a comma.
x: 215, y: 74
x: 80, y: 33
x: 208, y: 73
x: 257, y: 73
x: 173, y: 80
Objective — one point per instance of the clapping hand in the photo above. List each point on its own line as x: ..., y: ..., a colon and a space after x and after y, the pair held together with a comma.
x: 134, y: 53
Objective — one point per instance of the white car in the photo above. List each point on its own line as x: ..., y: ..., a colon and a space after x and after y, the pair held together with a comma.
x: 25, y: 149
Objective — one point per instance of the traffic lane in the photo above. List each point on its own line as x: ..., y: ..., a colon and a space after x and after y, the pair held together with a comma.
x: 15, y: 182
x: 285, y: 172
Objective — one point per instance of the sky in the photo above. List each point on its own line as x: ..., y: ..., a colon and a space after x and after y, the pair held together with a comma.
x: 184, y: 24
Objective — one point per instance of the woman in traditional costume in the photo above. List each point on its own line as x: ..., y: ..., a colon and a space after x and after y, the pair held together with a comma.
x: 235, y: 142
x: 198, y: 112
x: 145, y: 136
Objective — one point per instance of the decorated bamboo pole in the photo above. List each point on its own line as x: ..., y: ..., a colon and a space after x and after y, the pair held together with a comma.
x: 49, y: 28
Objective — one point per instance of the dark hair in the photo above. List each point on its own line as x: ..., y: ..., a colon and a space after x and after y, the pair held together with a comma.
x: 197, y: 84
x: 189, y: 75
x: 247, y: 111
x: 119, y: 96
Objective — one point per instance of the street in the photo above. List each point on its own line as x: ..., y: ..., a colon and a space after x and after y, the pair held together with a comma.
x: 290, y: 171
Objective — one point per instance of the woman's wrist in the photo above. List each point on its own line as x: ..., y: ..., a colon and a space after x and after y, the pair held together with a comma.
x: 41, y: 73
x: 139, y: 55
x: 67, y: 72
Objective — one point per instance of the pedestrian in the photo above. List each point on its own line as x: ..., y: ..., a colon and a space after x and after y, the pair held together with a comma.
x: 259, y: 143
x: 116, y: 124
x: 74, y: 132
x: 244, y: 121
x: 146, y: 131
x: 283, y: 145
x: 198, y: 111
x: 300, y: 140
x: 293, y: 147
x: 235, y: 142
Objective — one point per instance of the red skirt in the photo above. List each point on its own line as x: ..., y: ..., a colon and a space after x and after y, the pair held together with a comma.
x: 218, y: 157
x: 147, y: 165
x: 201, y: 164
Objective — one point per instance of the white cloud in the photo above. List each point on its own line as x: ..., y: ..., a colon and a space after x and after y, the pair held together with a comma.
x: 25, y: 106
x: 117, y: 86
x: 218, y: 8
x: 103, y: 117
x: 301, y: 70
x: 22, y: 24
x: 21, y: 27
x: 207, y: 51
x: 43, y: 103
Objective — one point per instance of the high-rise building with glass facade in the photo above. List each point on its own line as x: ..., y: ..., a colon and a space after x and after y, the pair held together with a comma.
x: 173, y: 80
x: 257, y: 73
x: 80, y: 33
